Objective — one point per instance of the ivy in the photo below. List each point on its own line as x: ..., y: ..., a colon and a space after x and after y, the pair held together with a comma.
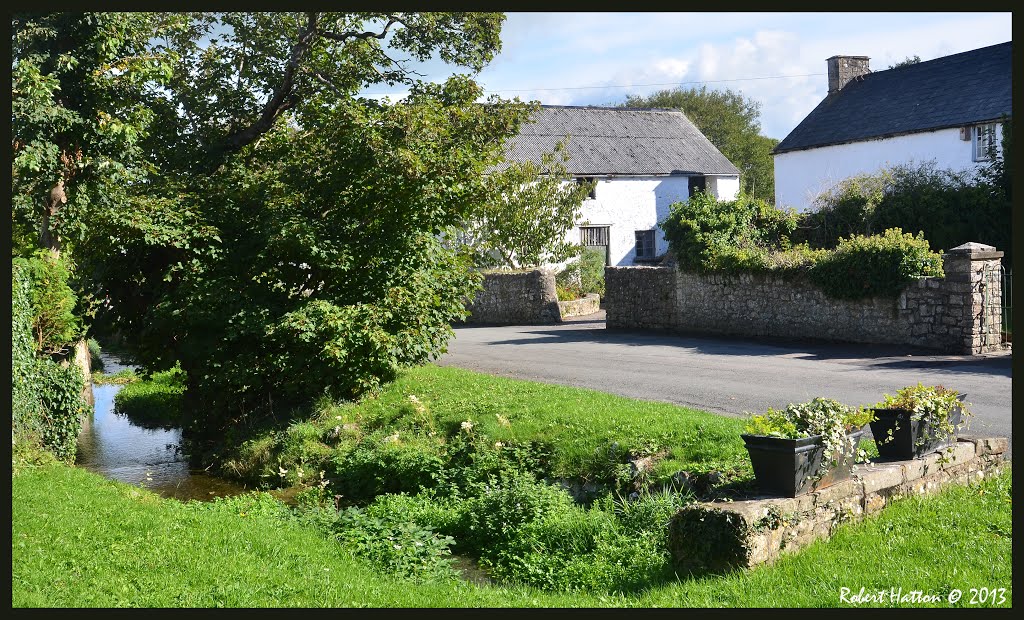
x: 46, y: 401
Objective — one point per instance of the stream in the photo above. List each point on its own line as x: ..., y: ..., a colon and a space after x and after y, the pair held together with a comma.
x: 112, y: 446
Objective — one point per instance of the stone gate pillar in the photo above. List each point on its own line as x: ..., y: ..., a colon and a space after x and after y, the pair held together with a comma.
x: 973, y: 274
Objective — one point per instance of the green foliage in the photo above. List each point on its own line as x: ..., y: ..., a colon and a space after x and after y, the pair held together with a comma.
x: 46, y: 397
x: 750, y: 236
x: 121, y: 377
x: 95, y: 361
x: 582, y: 276
x: 217, y: 554
x: 950, y: 207
x: 395, y: 544
x: 731, y: 122
x: 931, y: 405
x: 154, y: 402
x: 909, y: 60
x: 824, y: 417
x: 706, y: 234
x: 525, y: 220
x: 875, y: 266
x: 54, y: 323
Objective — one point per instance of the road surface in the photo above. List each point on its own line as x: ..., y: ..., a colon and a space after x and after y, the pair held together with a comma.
x: 729, y: 376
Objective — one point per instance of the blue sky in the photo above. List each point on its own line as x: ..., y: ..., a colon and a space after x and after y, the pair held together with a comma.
x: 599, y: 58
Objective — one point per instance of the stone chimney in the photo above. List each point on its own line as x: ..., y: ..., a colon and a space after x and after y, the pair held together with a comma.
x: 842, y: 69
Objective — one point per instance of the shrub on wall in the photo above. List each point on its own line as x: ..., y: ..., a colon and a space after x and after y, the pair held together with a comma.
x: 751, y: 236
x: 705, y: 234
x: 46, y: 401
x: 877, y: 265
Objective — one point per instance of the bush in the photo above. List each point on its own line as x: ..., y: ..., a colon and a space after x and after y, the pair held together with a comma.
x: 95, y: 361
x: 582, y: 276
x: 703, y: 231
x: 156, y: 402
x: 46, y: 398
x: 879, y: 265
x: 392, y: 463
x: 949, y: 207
x: 54, y: 324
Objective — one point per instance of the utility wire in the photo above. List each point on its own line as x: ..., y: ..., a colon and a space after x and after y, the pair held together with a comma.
x: 518, y: 90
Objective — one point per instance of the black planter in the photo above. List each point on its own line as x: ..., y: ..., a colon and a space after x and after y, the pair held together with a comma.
x: 788, y: 467
x: 906, y: 434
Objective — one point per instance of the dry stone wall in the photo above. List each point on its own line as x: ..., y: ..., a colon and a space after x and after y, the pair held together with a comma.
x: 516, y: 298
x: 959, y: 313
x: 720, y: 536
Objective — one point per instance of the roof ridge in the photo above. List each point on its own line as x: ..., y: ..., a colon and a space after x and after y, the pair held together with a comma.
x: 610, y: 108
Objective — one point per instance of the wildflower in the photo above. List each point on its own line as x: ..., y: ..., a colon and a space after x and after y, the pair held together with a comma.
x: 281, y: 471
x: 499, y: 445
x: 467, y: 426
x: 502, y: 420
x: 392, y: 438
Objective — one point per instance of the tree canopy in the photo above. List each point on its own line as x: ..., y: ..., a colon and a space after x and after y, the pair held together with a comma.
x: 248, y: 214
x: 732, y: 123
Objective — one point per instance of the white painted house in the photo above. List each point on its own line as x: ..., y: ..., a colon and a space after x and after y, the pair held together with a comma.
x: 945, y: 110
x: 643, y: 161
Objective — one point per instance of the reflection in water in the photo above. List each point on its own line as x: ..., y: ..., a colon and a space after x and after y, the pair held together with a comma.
x: 112, y: 446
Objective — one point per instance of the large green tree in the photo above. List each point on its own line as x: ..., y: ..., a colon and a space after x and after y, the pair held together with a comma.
x: 732, y: 123
x: 280, y: 237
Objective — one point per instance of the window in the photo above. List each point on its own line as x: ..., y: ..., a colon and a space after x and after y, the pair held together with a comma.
x: 697, y: 184
x: 645, y: 244
x: 593, y: 235
x: 593, y: 189
x: 984, y: 141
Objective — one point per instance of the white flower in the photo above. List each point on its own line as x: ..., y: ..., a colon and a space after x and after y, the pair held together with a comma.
x: 392, y: 438
x: 502, y: 420
x: 499, y: 445
x: 467, y: 426
x: 281, y: 471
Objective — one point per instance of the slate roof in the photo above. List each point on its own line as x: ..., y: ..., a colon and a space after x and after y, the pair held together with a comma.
x: 962, y: 89
x: 619, y: 141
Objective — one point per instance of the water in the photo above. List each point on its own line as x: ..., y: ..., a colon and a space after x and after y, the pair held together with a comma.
x: 114, y: 447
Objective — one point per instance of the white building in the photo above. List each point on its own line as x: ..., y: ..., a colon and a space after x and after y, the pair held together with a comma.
x: 642, y: 160
x: 945, y: 110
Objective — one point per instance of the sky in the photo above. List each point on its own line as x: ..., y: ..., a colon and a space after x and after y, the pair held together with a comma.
x: 777, y: 59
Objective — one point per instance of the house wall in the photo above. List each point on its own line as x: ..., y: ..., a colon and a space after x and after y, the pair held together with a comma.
x: 629, y: 204
x: 800, y: 176
x: 949, y: 314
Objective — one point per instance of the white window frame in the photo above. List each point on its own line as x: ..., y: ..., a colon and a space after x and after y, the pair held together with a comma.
x: 983, y: 141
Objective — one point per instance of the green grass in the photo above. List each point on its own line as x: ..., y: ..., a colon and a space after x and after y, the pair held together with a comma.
x: 121, y: 377
x: 81, y: 540
x: 154, y: 402
x: 585, y: 431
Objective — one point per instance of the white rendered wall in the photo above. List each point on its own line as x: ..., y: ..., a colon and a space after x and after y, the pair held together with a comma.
x: 801, y: 175
x: 629, y: 204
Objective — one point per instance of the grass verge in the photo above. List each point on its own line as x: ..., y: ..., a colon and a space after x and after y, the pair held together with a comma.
x: 80, y: 540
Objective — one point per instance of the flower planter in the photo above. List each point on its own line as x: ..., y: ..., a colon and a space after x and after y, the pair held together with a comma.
x: 788, y: 467
x: 910, y: 438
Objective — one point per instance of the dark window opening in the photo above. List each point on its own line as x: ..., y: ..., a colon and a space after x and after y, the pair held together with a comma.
x: 698, y: 184
x: 593, y: 188
x: 645, y: 244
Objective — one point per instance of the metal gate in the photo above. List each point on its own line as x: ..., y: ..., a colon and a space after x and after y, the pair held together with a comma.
x: 1007, y: 303
x: 997, y: 310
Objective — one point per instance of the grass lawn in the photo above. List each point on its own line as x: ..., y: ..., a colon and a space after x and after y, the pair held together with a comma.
x: 583, y: 434
x: 81, y: 540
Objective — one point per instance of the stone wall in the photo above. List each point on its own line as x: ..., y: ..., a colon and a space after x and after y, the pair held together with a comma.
x: 516, y: 298
x: 719, y: 536
x: 954, y: 314
x: 588, y: 304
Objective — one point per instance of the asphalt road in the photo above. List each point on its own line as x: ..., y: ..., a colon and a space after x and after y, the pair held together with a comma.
x: 729, y: 376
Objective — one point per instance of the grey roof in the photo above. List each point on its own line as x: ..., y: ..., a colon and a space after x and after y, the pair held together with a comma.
x: 962, y: 89
x: 619, y: 141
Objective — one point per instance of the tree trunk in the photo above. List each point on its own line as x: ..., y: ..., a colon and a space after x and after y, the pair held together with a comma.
x: 47, y: 237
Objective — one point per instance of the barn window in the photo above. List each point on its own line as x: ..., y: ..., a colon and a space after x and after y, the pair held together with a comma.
x: 593, y: 188
x: 645, y: 244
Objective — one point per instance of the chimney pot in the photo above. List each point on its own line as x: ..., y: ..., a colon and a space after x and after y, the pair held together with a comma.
x: 843, y: 69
